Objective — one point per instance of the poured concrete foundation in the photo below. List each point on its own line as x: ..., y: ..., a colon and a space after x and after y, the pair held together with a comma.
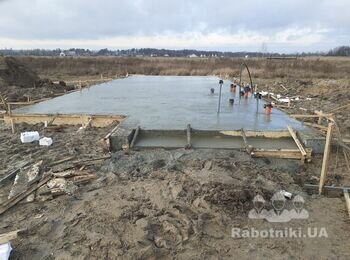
x: 169, y: 102
x: 159, y: 104
x: 208, y: 139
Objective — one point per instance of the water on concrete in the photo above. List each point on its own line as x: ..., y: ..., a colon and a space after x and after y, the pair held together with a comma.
x: 209, y: 140
x: 168, y: 102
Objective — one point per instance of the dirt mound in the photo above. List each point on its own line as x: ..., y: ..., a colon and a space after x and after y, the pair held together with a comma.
x: 14, y: 73
x: 18, y: 83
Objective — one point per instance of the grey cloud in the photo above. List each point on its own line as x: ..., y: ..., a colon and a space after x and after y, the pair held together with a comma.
x: 88, y: 19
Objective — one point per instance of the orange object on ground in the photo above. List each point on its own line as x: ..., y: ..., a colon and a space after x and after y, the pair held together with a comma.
x: 268, y: 108
x: 246, y: 94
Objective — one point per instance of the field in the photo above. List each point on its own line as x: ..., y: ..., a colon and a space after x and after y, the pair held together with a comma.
x: 308, y: 68
x: 173, y: 204
x: 325, y: 79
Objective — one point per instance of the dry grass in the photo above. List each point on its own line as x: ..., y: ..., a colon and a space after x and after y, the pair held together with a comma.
x: 302, y: 68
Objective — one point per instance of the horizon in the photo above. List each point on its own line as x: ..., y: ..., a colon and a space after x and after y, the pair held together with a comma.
x: 175, y: 50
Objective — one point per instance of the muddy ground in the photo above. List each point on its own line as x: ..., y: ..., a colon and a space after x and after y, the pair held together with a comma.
x: 169, y: 204
x: 175, y: 204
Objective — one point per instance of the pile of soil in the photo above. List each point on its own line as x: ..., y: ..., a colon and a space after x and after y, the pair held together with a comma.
x: 13, y: 72
x: 18, y: 83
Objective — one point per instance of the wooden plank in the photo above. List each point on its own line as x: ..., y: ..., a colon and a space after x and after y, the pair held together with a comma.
x: 63, y: 119
x: 188, y: 135
x: 298, y: 143
x: 248, y: 147
x: 6, y: 237
x: 322, y: 127
x: 339, y: 108
x: 276, y: 154
x: 81, y: 162
x: 346, y: 157
x: 61, y: 161
x: 347, y: 201
x: 12, y: 174
x: 279, y: 153
x: 51, y: 121
x: 326, y: 156
x: 20, y: 196
x: 111, y: 132
x: 328, y: 188
x: 310, y: 116
x: 134, y: 138
x: 265, y: 134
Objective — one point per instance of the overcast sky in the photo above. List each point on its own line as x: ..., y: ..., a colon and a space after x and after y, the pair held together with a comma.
x: 227, y: 25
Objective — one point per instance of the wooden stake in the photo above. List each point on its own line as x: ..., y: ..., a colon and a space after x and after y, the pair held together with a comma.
x: 12, y: 126
x: 188, y: 133
x: 4, y: 103
x: 298, y: 143
x: 347, y: 200
x: 248, y: 147
x: 325, y: 161
x: 133, y: 141
x: 319, y: 119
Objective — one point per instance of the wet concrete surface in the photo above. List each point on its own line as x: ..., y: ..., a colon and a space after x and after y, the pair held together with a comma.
x: 209, y: 140
x: 168, y: 102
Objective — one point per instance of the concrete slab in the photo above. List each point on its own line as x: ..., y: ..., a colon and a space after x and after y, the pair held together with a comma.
x: 208, y: 139
x: 168, y: 102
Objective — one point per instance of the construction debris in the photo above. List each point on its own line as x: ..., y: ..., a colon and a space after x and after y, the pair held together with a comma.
x: 28, y: 137
x: 23, y: 179
x: 45, y: 141
x: 5, y: 250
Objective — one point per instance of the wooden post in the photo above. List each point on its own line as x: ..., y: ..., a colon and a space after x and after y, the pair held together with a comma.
x: 248, y: 147
x: 347, y: 200
x: 12, y: 126
x: 325, y: 161
x: 320, y: 118
x: 9, y: 108
x: 298, y: 143
x: 133, y: 141
x: 188, y: 133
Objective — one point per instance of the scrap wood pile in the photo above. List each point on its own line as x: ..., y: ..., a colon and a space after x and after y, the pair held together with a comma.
x: 37, y: 181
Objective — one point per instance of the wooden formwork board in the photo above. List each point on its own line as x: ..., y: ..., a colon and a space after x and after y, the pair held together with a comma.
x: 266, y: 134
x: 280, y: 153
x: 63, y: 119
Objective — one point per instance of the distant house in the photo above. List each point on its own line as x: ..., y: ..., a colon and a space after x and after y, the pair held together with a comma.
x: 193, y: 56
x: 71, y: 53
x: 166, y: 55
x: 62, y: 54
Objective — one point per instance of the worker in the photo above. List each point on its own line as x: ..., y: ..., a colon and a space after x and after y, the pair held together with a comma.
x: 268, y: 108
x: 246, y: 91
